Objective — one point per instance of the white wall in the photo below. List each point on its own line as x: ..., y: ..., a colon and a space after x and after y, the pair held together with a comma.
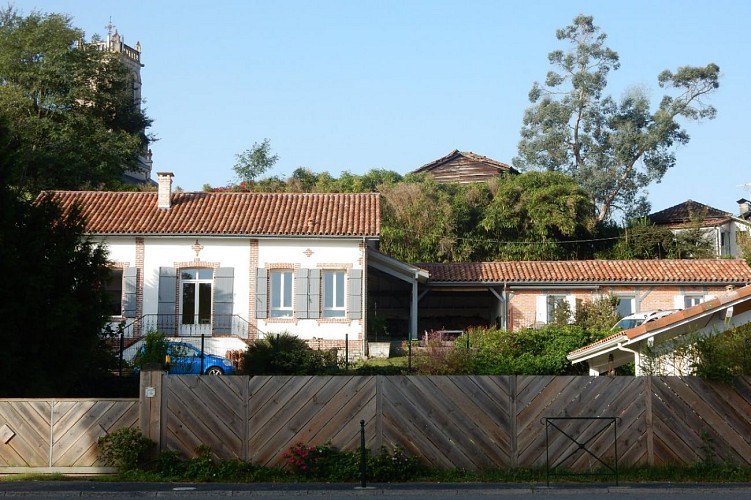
x: 236, y: 253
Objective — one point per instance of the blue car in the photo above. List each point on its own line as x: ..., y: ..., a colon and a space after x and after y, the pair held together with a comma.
x: 184, y: 358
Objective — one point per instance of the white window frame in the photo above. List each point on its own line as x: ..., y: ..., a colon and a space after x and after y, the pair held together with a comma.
x: 281, y: 293
x: 545, y: 312
x: 691, y: 299
x: 631, y: 299
x: 335, y: 305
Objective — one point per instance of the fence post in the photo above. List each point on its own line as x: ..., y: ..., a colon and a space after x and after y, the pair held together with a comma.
x: 150, y: 402
x: 363, y: 456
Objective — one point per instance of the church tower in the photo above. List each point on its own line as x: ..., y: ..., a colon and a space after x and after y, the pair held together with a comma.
x: 131, y: 57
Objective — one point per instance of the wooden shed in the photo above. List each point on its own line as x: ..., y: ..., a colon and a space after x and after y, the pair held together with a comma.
x: 465, y: 167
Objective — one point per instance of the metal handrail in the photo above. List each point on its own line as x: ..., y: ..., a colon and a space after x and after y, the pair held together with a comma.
x: 170, y: 325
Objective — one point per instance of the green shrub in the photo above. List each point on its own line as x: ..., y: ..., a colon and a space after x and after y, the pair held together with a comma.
x: 392, y: 464
x: 154, y: 350
x: 287, y: 354
x: 204, y: 466
x: 126, y: 449
x: 322, y: 463
x: 725, y: 355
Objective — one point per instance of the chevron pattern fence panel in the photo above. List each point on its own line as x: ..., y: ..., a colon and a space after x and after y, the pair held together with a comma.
x: 59, y: 433
x: 696, y: 421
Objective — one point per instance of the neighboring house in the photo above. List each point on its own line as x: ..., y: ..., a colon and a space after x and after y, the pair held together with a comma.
x: 235, y: 265
x: 465, y: 167
x: 723, y: 229
x: 515, y: 295
x: 729, y: 309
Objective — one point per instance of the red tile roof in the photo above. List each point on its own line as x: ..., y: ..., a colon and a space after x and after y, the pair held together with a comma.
x: 671, y: 319
x: 252, y: 214
x: 733, y: 271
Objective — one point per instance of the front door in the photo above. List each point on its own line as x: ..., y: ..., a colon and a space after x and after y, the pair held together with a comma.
x: 195, y: 306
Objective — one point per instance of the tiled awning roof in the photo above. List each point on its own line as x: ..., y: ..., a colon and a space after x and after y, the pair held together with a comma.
x: 593, y: 271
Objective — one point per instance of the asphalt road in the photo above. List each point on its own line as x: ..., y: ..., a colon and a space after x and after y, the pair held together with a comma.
x: 436, y: 491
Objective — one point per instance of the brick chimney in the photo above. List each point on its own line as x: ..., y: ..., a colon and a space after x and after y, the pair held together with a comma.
x: 165, y: 189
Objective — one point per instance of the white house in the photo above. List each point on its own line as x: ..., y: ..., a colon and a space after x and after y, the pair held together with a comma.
x: 723, y: 229
x: 235, y: 266
x: 729, y: 309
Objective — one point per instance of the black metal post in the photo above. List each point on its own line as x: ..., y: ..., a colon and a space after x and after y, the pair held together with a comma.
x: 409, y: 353
x: 467, y: 334
x: 122, y: 344
x: 203, y: 340
x: 363, y: 456
x: 346, y: 352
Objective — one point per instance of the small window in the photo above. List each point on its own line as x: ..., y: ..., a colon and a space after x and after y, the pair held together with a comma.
x: 555, y: 302
x: 626, y: 306
x: 281, y: 294
x: 333, y: 294
x: 114, y: 291
x: 692, y: 300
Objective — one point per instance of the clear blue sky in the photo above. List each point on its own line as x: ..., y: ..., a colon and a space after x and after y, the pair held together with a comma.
x: 394, y: 84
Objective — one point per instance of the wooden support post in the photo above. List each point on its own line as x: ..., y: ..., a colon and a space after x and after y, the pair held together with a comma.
x: 150, y: 398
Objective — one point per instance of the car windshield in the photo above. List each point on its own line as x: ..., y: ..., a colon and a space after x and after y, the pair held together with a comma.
x: 626, y: 323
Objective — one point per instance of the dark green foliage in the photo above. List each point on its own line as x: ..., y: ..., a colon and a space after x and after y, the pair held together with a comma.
x: 644, y: 240
x: 126, y: 449
x: 537, y: 216
x: 69, y: 108
x: 496, y: 352
x: 287, y: 354
x: 154, y: 350
x: 55, y: 310
x: 598, y: 315
x: 724, y: 355
x: 327, y: 463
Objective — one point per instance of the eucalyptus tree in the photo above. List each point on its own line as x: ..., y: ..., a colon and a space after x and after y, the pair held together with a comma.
x: 613, y: 148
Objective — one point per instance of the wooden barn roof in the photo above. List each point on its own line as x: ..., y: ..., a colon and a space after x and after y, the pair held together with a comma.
x: 465, y: 166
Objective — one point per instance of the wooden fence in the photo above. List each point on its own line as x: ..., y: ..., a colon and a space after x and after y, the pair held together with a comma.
x: 472, y: 422
x: 59, y: 435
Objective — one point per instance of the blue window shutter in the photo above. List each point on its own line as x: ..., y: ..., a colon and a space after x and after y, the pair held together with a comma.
x: 167, y: 300
x: 314, y: 294
x: 224, y: 282
x: 129, y: 287
x: 354, y: 286
x: 301, y: 293
x: 262, y: 287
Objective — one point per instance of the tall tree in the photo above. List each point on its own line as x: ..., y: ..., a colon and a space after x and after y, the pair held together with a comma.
x: 69, y: 106
x: 254, y: 162
x: 614, y: 149
x: 55, y: 310
x: 537, y: 216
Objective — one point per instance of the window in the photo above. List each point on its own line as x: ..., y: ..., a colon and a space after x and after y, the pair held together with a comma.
x: 692, y: 300
x: 626, y: 306
x: 196, y: 296
x: 281, y: 294
x: 114, y: 290
x: 724, y: 244
x: 555, y: 302
x: 333, y: 294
